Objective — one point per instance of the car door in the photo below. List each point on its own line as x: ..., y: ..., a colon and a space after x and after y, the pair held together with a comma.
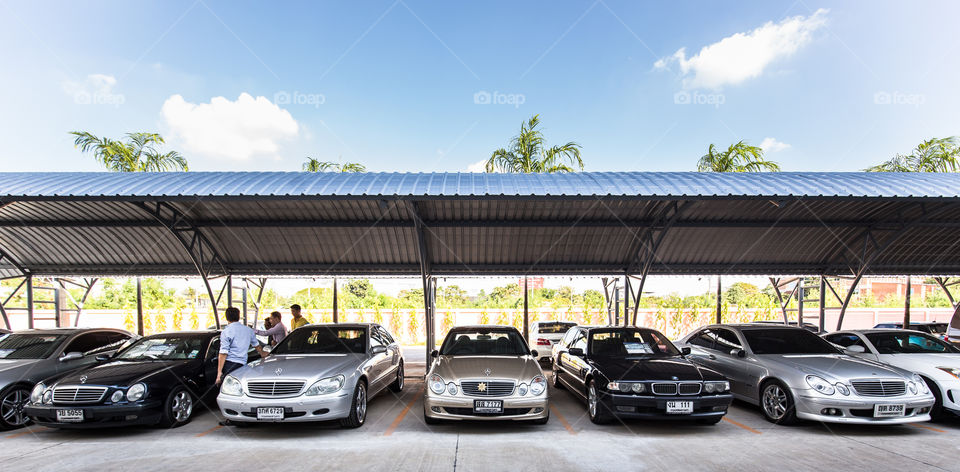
x: 393, y: 353
x: 379, y: 361
x: 742, y: 373
x: 210, y: 362
x: 574, y: 367
x: 703, y: 345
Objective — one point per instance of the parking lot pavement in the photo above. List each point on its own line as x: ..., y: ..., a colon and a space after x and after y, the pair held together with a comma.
x: 395, y: 437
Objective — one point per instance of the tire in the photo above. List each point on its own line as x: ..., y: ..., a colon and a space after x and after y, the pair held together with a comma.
x: 397, y: 385
x: 178, y: 409
x: 936, y: 412
x: 557, y: 384
x: 776, y: 403
x: 358, y: 407
x: 12, y: 401
x: 710, y: 421
x: 595, y: 408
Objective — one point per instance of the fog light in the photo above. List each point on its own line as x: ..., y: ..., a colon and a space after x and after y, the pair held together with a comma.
x: 117, y: 396
x: 435, y: 409
x: 130, y: 417
x: 627, y: 409
x: 538, y: 410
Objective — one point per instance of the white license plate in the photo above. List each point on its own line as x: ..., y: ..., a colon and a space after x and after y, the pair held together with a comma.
x: 488, y: 406
x: 70, y: 416
x: 679, y: 408
x: 887, y: 411
x: 269, y: 414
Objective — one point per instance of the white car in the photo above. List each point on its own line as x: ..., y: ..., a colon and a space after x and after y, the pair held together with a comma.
x: 545, y: 334
x: 938, y: 362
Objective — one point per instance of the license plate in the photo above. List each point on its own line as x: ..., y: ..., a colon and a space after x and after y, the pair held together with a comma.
x: 679, y: 408
x: 886, y: 411
x: 270, y: 414
x: 70, y: 416
x: 488, y: 406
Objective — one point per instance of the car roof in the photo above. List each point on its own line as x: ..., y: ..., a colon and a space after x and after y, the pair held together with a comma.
x: 342, y: 325
x: 481, y: 326
x: 918, y: 323
x: 196, y: 332
x: 880, y: 330
x: 750, y: 326
x: 68, y: 330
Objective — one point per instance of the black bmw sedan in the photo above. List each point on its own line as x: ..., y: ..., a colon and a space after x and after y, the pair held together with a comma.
x: 637, y: 373
x: 158, y: 380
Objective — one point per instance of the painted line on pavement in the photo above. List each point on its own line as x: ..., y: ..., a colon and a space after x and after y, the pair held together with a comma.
x: 563, y: 420
x: 406, y: 409
x: 931, y: 428
x: 728, y: 420
x: 200, y: 435
x: 26, y: 432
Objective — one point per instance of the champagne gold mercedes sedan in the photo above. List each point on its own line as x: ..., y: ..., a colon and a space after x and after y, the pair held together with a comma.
x: 485, y: 373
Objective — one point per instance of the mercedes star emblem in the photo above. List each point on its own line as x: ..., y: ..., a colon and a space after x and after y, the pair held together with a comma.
x: 279, y: 371
x: 83, y: 379
x: 487, y: 372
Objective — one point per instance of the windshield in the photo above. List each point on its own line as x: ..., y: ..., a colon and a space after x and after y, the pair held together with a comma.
x: 324, y: 340
x: 787, y: 341
x: 630, y: 342
x: 29, y: 346
x: 932, y: 328
x: 554, y: 328
x: 164, y: 348
x: 908, y: 343
x: 488, y: 342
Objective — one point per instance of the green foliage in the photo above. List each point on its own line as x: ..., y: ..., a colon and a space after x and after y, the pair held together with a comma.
x: 314, y: 165
x: 137, y: 154
x: 739, y: 157
x: 932, y: 155
x: 741, y: 293
x: 527, y: 153
x: 123, y: 294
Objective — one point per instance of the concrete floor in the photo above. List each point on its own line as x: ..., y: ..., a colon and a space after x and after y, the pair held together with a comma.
x: 396, y: 438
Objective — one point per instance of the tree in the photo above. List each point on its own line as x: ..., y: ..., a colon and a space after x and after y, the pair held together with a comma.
x: 739, y: 157
x: 932, y: 155
x: 527, y: 153
x: 740, y: 293
x: 313, y: 165
x: 360, y: 288
x: 137, y: 154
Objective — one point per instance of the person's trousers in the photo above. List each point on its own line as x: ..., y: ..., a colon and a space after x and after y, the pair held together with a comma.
x: 229, y: 366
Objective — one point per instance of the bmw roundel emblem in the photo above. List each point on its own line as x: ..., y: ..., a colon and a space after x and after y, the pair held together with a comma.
x: 279, y: 371
x: 83, y: 379
x: 675, y: 377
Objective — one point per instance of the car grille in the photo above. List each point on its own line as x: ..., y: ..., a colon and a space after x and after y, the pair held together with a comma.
x: 491, y: 388
x: 676, y: 388
x: 275, y: 388
x: 879, y: 388
x: 75, y: 394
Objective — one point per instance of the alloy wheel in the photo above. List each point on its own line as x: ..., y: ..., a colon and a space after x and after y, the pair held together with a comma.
x: 592, y: 401
x: 400, y: 376
x: 11, y: 407
x: 182, y: 406
x: 774, y: 401
x: 361, y: 403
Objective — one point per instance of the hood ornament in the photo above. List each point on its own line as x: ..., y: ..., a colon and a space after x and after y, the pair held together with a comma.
x: 83, y: 379
x: 279, y: 371
x: 482, y: 387
x: 487, y: 372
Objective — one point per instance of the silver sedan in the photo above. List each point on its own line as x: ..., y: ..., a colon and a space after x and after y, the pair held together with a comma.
x: 317, y: 373
x: 794, y: 374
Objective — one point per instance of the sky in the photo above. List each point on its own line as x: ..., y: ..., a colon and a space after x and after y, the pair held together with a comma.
x: 407, y: 85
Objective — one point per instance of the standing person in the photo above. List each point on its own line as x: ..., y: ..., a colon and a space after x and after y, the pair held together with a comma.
x: 276, y: 330
x: 235, y: 343
x: 298, y: 320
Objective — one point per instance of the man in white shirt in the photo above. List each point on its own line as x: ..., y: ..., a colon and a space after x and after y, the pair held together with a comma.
x: 276, y: 332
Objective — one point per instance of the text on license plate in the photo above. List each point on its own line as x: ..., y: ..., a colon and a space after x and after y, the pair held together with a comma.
x: 884, y: 411
x: 69, y: 416
x: 488, y: 406
x: 270, y: 413
x: 679, y: 407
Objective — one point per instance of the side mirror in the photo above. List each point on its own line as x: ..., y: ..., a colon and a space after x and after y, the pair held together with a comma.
x: 434, y: 353
x: 71, y: 356
x: 738, y: 353
x: 534, y: 353
x: 685, y: 351
x: 103, y: 357
x: 575, y: 351
x: 854, y: 349
x: 378, y: 350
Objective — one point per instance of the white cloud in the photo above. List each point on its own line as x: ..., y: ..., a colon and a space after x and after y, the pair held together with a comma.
x: 479, y: 166
x: 743, y: 56
x: 228, y: 129
x: 95, y: 89
x: 772, y: 145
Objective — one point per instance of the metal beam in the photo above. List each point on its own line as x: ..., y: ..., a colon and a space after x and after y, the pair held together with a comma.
x: 719, y: 300
x: 823, y: 303
x: 426, y: 276
x: 906, y: 306
x: 336, y: 313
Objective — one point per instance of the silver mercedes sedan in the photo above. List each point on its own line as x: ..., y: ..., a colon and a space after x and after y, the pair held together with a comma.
x: 793, y: 374
x: 317, y: 373
x: 485, y: 373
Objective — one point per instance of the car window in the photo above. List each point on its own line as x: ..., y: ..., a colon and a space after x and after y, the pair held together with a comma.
x: 109, y: 342
x: 29, y: 346
x: 324, y: 340
x: 579, y: 340
x: 85, y: 343
x: 786, y: 341
x: 376, y: 338
x: 553, y: 327
x: 214, y: 348
x: 386, y: 335
x: 164, y: 348
x: 727, y: 340
x: 845, y: 340
x: 908, y: 343
x: 568, y: 337
x: 484, y: 342
x: 623, y: 342
x: 705, y: 339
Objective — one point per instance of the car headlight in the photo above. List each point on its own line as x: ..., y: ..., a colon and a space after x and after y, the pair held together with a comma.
x: 638, y: 388
x: 820, y: 385
x: 437, y: 385
x: 951, y: 370
x: 842, y: 389
x: 36, y: 396
x: 538, y: 385
x: 136, y: 392
x: 522, y: 389
x: 117, y: 396
x: 921, y: 384
x: 48, y: 396
x: 452, y: 388
x: 325, y: 386
x: 912, y: 386
x: 231, y: 386
x: 716, y: 386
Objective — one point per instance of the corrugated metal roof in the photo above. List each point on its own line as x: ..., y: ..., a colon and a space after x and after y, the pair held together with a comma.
x: 633, y: 184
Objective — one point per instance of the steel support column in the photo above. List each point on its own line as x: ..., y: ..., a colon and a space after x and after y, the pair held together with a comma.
x: 139, y: 308
x: 526, y: 309
x: 426, y: 277
x: 906, y: 304
x: 4, y: 256
x: 256, y: 301
x: 719, y: 301
x: 29, y: 301
x: 823, y: 303
x: 336, y: 312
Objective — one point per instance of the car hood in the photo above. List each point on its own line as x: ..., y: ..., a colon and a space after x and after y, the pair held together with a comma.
x: 521, y: 368
x: 14, y: 369
x: 922, y: 363
x: 119, y: 373
x: 634, y: 368
x: 301, y: 366
x: 834, y: 367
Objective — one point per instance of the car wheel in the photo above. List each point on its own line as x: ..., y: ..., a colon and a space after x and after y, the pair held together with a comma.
x: 557, y: 384
x: 936, y: 411
x: 776, y: 403
x: 358, y: 407
x: 12, y: 401
x: 595, y: 408
x: 178, y: 409
x: 397, y: 385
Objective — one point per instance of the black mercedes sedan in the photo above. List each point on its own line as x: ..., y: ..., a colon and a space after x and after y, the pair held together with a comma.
x: 158, y: 380
x: 637, y: 373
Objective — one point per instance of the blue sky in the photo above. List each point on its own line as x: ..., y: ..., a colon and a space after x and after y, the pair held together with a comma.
x: 403, y: 85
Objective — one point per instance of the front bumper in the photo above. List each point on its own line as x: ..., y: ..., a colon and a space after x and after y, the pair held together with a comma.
x: 859, y: 410
x: 98, y: 416
x: 301, y: 408
x: 647, y: 406
x: 950, y: 393
x: 460, y: 407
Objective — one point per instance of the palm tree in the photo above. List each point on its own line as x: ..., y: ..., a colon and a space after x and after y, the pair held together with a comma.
x: 739, y: 157
x: 932, y: 155
x: 526, y: 153
x: 137, y: 154
x: 313, y: 165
